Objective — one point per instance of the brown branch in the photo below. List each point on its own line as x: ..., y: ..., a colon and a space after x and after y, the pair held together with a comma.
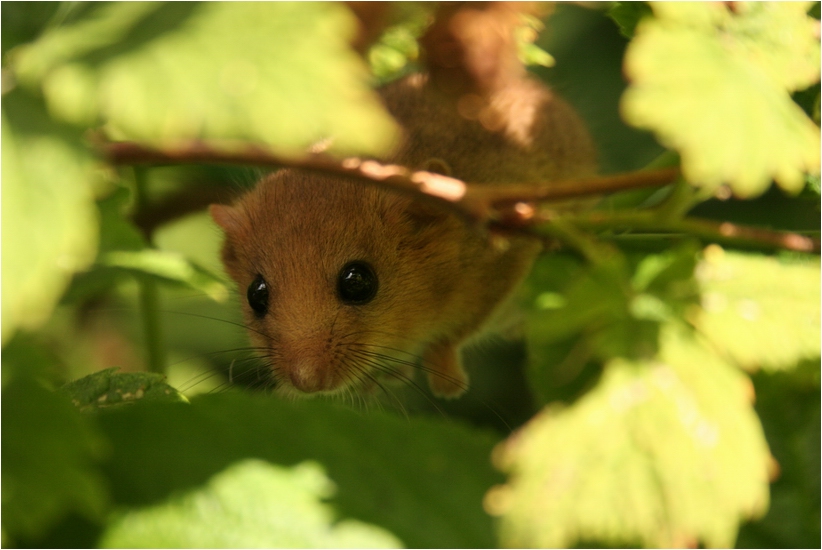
x: 592, y: 186
x: 507, y: 208
x: 708, y: 229
x: 425, y: 185
x: 476, y: 202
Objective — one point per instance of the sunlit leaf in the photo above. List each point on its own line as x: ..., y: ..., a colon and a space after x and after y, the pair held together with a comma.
x: 667, y: 452
x: 169, y: 266
x: 50, y: 227
x: 49, y: 461
x: 166, y: 74
x: 398, y: 473
x: 760, y: 311
x: 397, y: 48
x: 108, y: 388
x: 714, y: 84
x: 529, y: 53
x: 251, y: 504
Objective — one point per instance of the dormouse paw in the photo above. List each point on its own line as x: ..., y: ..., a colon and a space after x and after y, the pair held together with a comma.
x: 446, y: 377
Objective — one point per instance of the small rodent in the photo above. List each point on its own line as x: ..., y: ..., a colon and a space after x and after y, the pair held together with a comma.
x: 350, y: 285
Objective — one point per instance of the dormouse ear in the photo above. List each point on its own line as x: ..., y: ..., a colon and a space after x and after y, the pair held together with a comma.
x: 436, y: 165
x: 425, y: 214
x: 225, y: 216
x: 414, y: 215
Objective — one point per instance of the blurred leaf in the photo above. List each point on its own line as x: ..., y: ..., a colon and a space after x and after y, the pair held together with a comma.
x: 529, y: 53
x: 49, y: 455
x: 421, y: 479
x: 31, y: 356
x: 713, y: 84
x: 49, y: 221
x: 759, y: 311
x: 251, y: 504
x: 604, y: 310
x: 668, y: 276
x: 169, y: 266
x: 590, y: 295
x: 628, y: 14
x: 108, y: 388
x: 23, y: 21
x: 666, y: 452
x: 280, y: 74
x: 117, y: 232
x: 397, y: 49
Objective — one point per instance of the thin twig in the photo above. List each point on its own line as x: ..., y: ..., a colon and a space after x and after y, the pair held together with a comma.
x: 510, y: 207
x: 708, y: 229
x: 476, y: 202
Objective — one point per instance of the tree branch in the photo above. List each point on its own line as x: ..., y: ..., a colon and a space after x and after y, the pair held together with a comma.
x: 510, y: 207
x: 477, y: 201
x: 726, y: 232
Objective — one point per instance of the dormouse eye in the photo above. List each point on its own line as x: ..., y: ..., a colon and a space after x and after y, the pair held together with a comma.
x: 357, y: 283
x: 258, y: 296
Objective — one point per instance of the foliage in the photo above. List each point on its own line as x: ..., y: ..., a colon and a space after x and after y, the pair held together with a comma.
x: 671, y: 391
x: 679, y: 431
x: 691, y: 67
x: 264, y: 506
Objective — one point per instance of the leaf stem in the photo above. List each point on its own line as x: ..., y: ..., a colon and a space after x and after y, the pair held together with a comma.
x: 149, y: 293
x: 152, y: 329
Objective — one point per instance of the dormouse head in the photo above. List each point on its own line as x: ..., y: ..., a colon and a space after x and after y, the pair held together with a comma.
x: 343, y: 284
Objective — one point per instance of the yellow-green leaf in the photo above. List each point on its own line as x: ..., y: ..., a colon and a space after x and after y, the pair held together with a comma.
x: 169, y: 266
x: 251, y: 504
x: 714, y: 84
x: 665, y: 452
x: 169, y: 73
x: 50, y: 226
x: 760, y: 311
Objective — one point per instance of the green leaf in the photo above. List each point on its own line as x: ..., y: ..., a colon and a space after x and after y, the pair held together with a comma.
x: 49, y: 222
x: 251, y: 504
x: 30, y: 356
x: 168, y: 266
x: 50, y: 455
x: 760, y: 312
x: 117, y: 232
x: 421, y: 479
x: 587, y: 294
x: 813, y: 185
x: 525, y: 35
x: 278, y: 74
x: 22, y: 22
x: 602, y: 311
x: 665, y: 452
x: 397, y: 48
x: 627, y: 15
x: 108, y: 388
x: 714, y: 85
